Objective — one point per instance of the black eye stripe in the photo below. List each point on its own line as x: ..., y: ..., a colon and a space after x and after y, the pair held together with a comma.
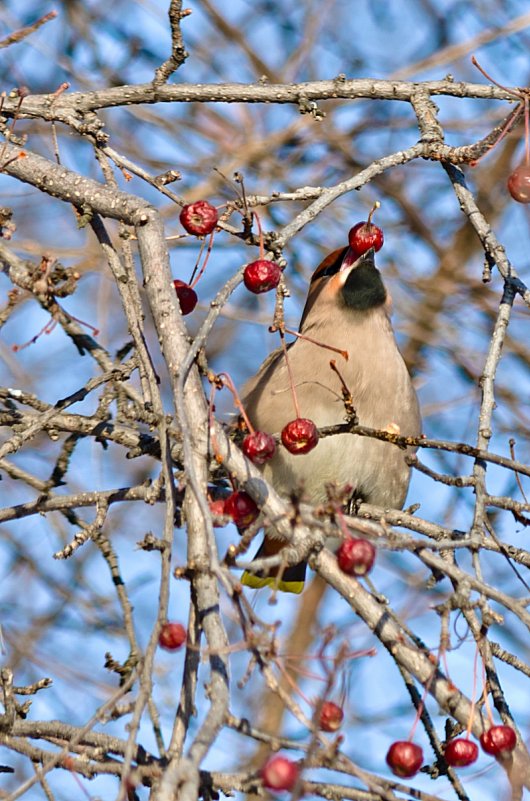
x: 331, y: 265
x: 331, y: 270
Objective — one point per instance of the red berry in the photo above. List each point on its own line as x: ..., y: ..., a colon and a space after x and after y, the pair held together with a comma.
x: 460, y: 752
x: 356, y: 556
x: 241, y: 508
x: 498, y: 740
x: 404, y: 758
x: 217, y: 508
x: 519, y: 183
x: 261, y: 275
x: 186, y: 295
x: 172, y: 636
x: 279, y: 773
x: 259, y: 447
x: 300, y: 436
x: 331, y: 716
x: 363, y: 236
x: 199, y: 218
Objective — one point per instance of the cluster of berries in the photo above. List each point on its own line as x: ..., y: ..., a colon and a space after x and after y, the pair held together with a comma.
x: 200, y: 219
x: 406, y: 758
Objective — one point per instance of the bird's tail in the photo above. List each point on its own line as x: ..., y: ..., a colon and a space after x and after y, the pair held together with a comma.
x: 284, y: 579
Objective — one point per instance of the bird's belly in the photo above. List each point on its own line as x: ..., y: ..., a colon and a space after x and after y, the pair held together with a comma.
x: 376, y: 471
x: 382, y: 396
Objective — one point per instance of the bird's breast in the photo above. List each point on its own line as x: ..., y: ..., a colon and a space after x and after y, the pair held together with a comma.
x: 382, y: 395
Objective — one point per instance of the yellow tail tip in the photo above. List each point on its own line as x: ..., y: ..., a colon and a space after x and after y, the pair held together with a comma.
x: 257, y: 582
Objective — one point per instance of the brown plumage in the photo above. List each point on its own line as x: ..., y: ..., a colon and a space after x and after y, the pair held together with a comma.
x: 347, y: 307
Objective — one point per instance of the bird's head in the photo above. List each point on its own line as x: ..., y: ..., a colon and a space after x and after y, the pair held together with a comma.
x: 344, y: 282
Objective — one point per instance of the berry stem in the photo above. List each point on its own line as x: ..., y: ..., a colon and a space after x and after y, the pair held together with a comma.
x: 94, y: 330
x: 46, y: 329
x: 377, y: 205
x: 419, y: 710
x: 473, y: 695
x: 487, y: 704
x: 492, y: 80
x: 258, y: 223
x: 506, y: 128
x: 287, y: 677
x: 192, y: 282
x: 229, y: 384
x: 526, y: 131
x: 239, y: 179
x: 291, y: 380
x: 300, y: 671
x: 512, y: 444
x: 343, y: 353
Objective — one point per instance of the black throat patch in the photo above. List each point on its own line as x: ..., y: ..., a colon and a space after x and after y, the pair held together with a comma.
x: 364, y: 288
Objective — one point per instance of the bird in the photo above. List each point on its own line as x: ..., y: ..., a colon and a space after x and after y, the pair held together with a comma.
x: 348, y: 308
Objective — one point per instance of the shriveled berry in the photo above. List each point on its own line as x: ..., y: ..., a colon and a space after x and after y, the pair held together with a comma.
x: 300, y: 436
x: 172, y: 636
x: 199, y: 218
x: 261, y: 276
x: 498, y: 740
x: 259, y: 447
x: 404, y: 758
x: 363, y: 236
x: 331, y: 716
x: 241, y: 508
x: 460, y: 752
x: 279, y: 773
x: 519, y: 183
x: 356, y: 556
x: 186, y: 295
x: 217, y: 508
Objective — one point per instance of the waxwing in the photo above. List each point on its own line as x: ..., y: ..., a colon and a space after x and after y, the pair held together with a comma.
x: 347, y: 307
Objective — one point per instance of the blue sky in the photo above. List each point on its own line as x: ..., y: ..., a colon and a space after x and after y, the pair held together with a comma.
x: 359, y: 39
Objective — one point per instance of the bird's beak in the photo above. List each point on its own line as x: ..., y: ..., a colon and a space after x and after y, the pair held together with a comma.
x: 350, y: 259
x: 350, y: 263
